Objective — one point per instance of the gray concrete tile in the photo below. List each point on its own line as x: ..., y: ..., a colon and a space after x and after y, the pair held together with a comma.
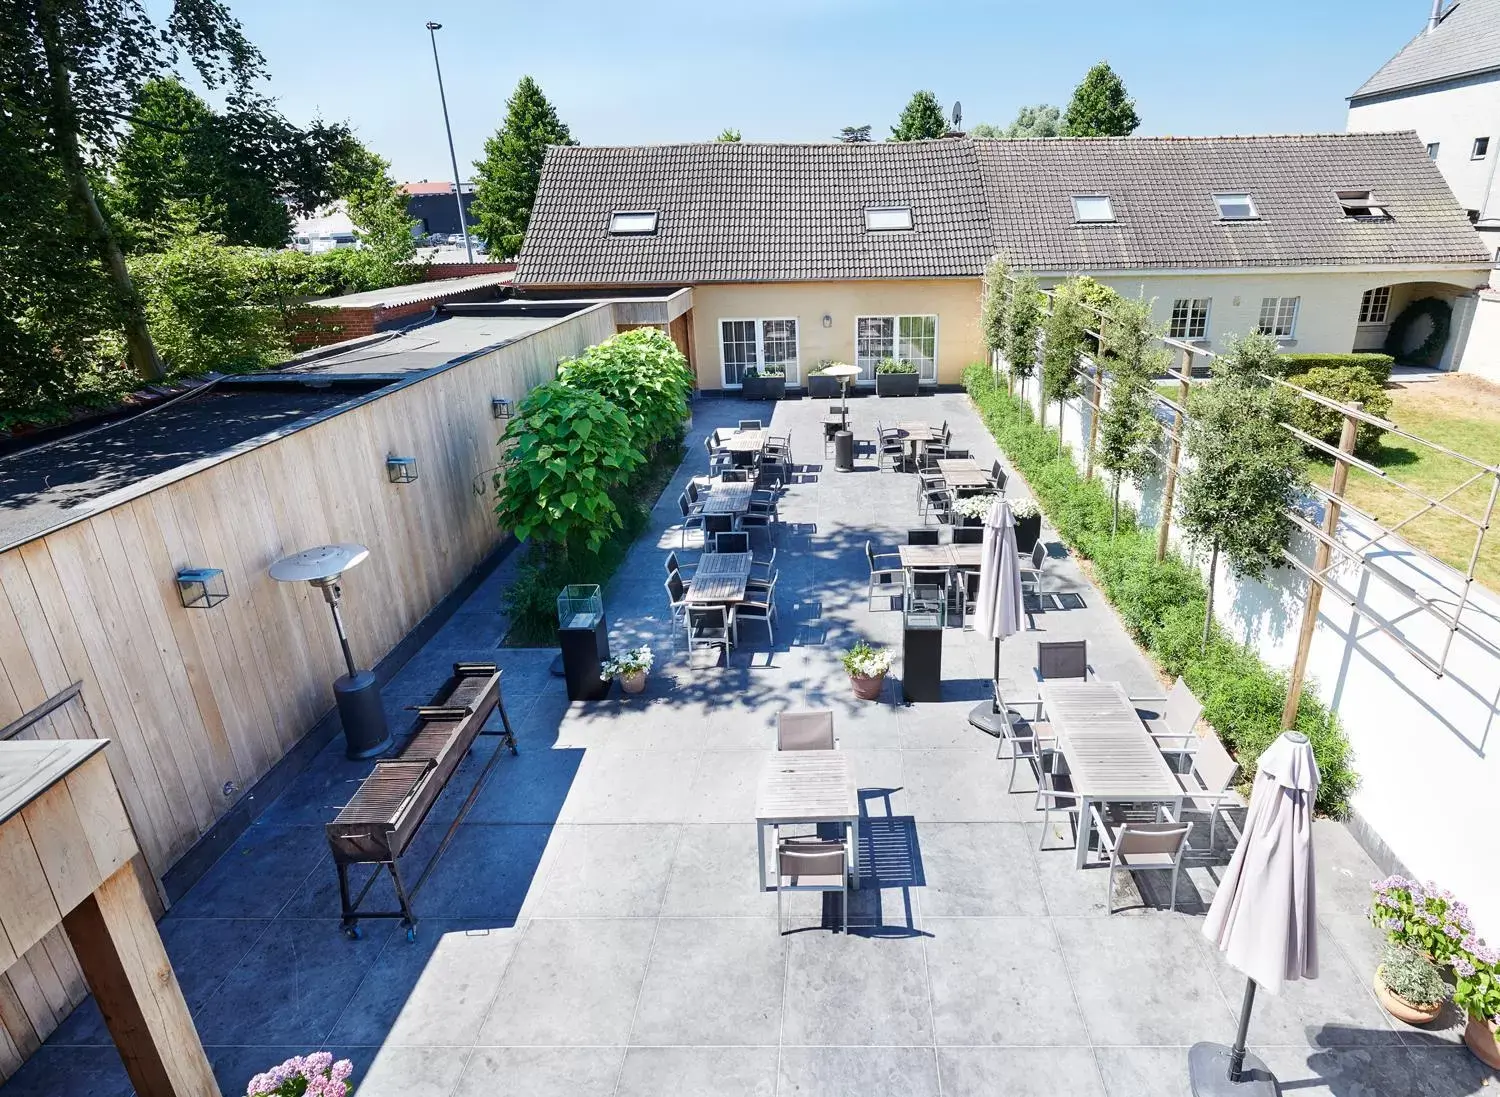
x: 848, y: 989
x: 397, y: 1071
x: 723, y: 788
x: 1019, y: 1072
x: 255, y: 876
x: 957, y: 786
x: 608, y: 870
x: 859, y: 1072
x: 487, y: 872
x: 979, y: 869
x: 698, y: 1072
x: 999, y: 981
x: 1344, y: 1071
x: 56, y: 1069
x: 631, y: 786
x: 541, y: 1072
x: 942, y: 724
x: 571, y: 981
x: 713, y: 981
x: 1344, y: 870
x: 235, y: 1065
x: 714, y: 873
x: 530, y: 787
x: 1145, y: 1071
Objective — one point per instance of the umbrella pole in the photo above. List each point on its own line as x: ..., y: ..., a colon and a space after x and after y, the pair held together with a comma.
x: 1218, y: 1071
x: 1237, y: 1053
x: 996, y: 674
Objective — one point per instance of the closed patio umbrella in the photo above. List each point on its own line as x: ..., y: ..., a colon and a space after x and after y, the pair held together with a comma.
x: 1264, y: 916
x: 1000, y: 607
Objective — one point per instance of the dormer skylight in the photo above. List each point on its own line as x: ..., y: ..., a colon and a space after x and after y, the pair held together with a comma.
x: 1091, y: 209
x: 1236, y: 207
x: 639, y: 222
x: 888, y: 219
x: 1362, y: 205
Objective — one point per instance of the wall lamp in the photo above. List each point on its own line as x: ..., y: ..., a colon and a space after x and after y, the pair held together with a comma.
x: 201, y: 588
x: 401, y: 470
x: 501, y: 407
x: 827, y: 320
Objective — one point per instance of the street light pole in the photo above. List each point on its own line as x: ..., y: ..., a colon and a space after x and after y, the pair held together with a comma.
x: 458, y: 190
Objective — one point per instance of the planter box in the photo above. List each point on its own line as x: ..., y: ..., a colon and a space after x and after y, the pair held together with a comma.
x: 822, y: 388
x: 763, y: 388
x: 965, y: 520
x: 1027, y: 532
x: 896, y: 384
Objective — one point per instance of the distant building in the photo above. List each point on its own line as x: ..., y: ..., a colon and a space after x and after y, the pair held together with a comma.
x: 1445, y: 84
x: 325, y: 230
x: 432, y: 205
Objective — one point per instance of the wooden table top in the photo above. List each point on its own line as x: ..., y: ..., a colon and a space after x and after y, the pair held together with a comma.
x: 731, y: 498
x: 965, y: 478
x: 746, y: 441
x: 947, y: 465
x: 720, y: 577
x: 915, y: 430
x: 1110, y: 754
x: 941, y: 556
x: 807, y: 786
x: 723, y: 563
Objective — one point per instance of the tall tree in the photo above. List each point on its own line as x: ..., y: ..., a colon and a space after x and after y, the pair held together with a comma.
x: 1100, y: 106
x: 1244, y: 471
x: 728, y: 135
x: 921, y: 119
x: 997, y: 289
x: 505, y: 181
x: 1041, y: 120
x: 79, y: 66
x: 1062, y: 349
x: 1023, y: 323
x: 854, y: 134
x: 1128, y: 428
x: 376, y: 204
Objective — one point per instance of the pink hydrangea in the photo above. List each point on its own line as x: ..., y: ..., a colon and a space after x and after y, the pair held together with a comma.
x: 318, y: 1074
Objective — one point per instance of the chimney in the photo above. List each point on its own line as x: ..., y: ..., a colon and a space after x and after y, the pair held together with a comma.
x: 1436, y: 17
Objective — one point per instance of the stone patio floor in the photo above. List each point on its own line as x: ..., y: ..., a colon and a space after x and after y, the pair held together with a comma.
x: 595, y: 926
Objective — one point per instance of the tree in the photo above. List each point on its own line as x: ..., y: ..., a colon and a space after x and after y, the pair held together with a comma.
x: 79, y: 66
x: 728, y: 135
x: 1100, y: 107
x: 1062, y: 348
x: 921, y: 119
x: 1244, y: 471
x: 506, y: 179
x: 1128, y: 428
x: 854, y: 134
x: 996, y: 304
x: 1023, y: 322
x: 376, y: 204
x: 1042, y: 120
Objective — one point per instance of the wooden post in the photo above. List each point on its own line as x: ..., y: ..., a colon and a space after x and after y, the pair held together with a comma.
x: 1088, y: 459
x: 1178, y: 421
x: 1321, y: 560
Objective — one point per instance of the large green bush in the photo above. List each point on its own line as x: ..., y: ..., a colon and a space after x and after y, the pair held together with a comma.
x: 1378, y: 366
x: 1163, y: 604
x: 643, y: 374
x: 1344, y: 384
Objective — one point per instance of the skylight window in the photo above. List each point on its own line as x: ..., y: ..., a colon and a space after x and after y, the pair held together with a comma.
x: 1236, y: 207
x: 1092, y: 208
x: 888, y: 218
x: 1362, y: 205
x: 641, y: 222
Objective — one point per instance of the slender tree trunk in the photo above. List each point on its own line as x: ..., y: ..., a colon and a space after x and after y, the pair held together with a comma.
x: 1114, y: 516
x: 1042, y: 411
x: 1060, y: 406
x: 1208, y: 610
x: 64, y: 121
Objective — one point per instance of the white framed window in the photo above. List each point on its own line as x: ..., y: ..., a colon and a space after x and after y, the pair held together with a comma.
x: 1092, y: 208
x: 754, y: 343
x: 1361, y: 204
x: 909, y: 338
x: 637, y: 222
x: 1375, y: 305
x: 888, y: 218
x: 1236, y: 207
x: 1278, y: 316
x: 1432, y: 150
x: 1189, y: 318
x: 1481, y: 148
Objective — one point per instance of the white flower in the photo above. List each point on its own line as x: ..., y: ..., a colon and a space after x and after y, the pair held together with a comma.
x: 1024, y: 508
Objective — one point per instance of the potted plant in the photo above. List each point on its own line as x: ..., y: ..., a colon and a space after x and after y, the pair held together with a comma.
x: 766, y: 382
x: 1420, y: 916
x: 971, y: 509
x: 1478, y: 995
x: 630, y: 668
x: 1409, y: 986
x: 316, y: 1073
x: 895, y: 378
x: 867, y: 667
x: 1028, y: 523
x: 819, y: 385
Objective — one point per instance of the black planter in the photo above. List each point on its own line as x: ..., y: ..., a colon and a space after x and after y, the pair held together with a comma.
x: 896, y: 384
x: 822, y: 388
x: 965, y: 520
x: 763, y: 388
x: 1027, y: 531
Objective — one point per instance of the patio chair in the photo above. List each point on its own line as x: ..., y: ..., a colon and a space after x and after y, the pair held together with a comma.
x: 812, y: 864
x: 886, y: 569
x: 1062, y: 659
x: 734, y: 476
x: 1206, y: 785
x: 968, y: 535
x: 1144, y: 847
x: 958, y: 455
x: 928, y: 481
x: 939, y: 502
x: 762, y: 569
x: 997, y: 477
x: 778, y: 445
x: 943, y: 430
x: 805, y: 730
x: 774, y: 470
x: 929, y: 584
x: 966, y: 590
x: 677, y: 603
x: 691, y: 519
x: 751, y: 424
x: 1000, y: 717
x: 759, y: 604
x: 715, y: 524
x: 708, y: 627
x: 697, y: 494
x: 712, y: 444
x: 1031, y: 575
x: 890, y: 449
x: 1175, y: 728
x: 760, y: 515
x: 735, y: 541
x: 677, y: 567
x: 934, y: 452
x: 922, y: 537
x: 721, y: 462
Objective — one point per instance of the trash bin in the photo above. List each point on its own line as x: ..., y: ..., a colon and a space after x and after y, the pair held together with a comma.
x: 583, y: 636
x: 843, y: 451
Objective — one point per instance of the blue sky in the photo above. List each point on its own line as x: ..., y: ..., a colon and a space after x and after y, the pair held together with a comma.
x: 797, y: 70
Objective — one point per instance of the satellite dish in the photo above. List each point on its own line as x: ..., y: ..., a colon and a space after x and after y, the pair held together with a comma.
x: 958, y: 114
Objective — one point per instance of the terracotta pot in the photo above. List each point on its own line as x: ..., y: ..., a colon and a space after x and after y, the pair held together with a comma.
x: 634, y: 682
x: 867, y: 688
x: 1398, y: 1007
x: 1480, y: 1038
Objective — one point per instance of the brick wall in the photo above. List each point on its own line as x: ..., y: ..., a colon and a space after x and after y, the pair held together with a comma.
x: 437, y: 271
x: 318, y: 326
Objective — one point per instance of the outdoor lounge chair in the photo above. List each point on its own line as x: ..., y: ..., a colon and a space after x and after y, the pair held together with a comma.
x: 812, y: 864
x: 1144, y: 847
x: 886, y: 570
x: 805, y: 730
x: 1206, y: 786
x: 1062, y: 659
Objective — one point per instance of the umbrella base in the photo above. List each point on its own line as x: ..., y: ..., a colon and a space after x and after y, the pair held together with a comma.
x: 984, y: 717
x: 1208, y: 1070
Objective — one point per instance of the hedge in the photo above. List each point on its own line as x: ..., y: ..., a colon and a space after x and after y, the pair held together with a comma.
x: 1378, y: 366
x: 1162, y: 604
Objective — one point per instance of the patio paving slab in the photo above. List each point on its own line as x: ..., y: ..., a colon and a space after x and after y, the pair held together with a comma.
x: 1019, y: 1072
x: 699, y: 1072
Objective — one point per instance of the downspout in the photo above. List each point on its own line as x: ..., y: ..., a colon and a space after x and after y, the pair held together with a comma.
x: 1436, y: 17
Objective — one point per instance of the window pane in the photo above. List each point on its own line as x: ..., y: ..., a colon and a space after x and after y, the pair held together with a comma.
x: 917, y: 343
x: 739, y: 349
x: 875, y: 338
x: 1374, y: 305
x: 779, y: 344
x: 1092, y: 207
x: 1235, y: 207
x: 887, y: 218
x: 633, y: 223
x: 1189, y: 318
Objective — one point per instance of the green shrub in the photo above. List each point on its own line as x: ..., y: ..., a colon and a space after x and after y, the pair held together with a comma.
x: 893, y: 365
x: 1163, y: 604
x: 643, y: 374
x: 1378, y: 366
x: 1344, y: 384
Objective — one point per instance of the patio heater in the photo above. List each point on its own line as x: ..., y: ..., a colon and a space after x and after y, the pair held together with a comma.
x: 357, y: 693
x: 843, y: 440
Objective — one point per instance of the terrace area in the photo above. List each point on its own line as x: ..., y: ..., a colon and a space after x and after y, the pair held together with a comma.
x: 595, y: 926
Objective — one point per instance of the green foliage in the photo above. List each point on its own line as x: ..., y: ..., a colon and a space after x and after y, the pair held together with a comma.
x: 921, y: 119
x: 1439, y: 314
x: 377, y: 206
x: 1376, y: 366
x: 1162, y: 604
x: 1100, y: 106
x: 1410, y: 975
x: 729, y: 135
x: 1128, y: 428
x: 568, y: 447
x: 1041, y: 120
x: 997, y: 287
x: 1344, y: 384
x: 505, y: 181
x: 1251, y: 358
x: 854, y: 134
x: 643, y: 374
x: 894, y: 365
x: 1023, y: 323
x: 1063, y: 340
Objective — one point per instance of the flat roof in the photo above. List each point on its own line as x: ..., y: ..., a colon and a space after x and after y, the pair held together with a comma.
x: 429, y: 345
x: 414, y: 293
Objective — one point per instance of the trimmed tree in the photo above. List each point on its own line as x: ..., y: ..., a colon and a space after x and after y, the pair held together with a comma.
x: 1100, y: 106
x: 996, y: 304
x: 644, y: 374
x: 1023, y: 322
x: 505, y: 181
x: 921, y: 119
x: 1128, y: 428
x: 1245, y: 472
x: 1062, y: 349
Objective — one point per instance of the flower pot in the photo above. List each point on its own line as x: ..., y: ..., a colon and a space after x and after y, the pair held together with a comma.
x: 867, y: 688
x: 967, y: 520
x: 822, y: 388
x: 1413, y: 1013
x: 634, y: 682
x: 763, y: 388
x: 1027, y: 532
x: 896, y: 384
x: 1479, y: 1036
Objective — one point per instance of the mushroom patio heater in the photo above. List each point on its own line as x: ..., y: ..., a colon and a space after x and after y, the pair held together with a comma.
x: 357, y: 693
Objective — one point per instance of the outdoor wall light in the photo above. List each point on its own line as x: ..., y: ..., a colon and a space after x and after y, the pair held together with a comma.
x: 201, y: 588
x: 501, y: 407
x: 827, y: 320
x: 401, y: 470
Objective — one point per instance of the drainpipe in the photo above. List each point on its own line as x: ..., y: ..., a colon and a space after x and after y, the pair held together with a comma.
x: 1436, y: 17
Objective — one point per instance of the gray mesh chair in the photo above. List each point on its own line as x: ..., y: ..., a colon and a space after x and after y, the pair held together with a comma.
x: 1206, y: 786
x: 708, y: 627
x: 890, y: 449
x: 997, y: 477
x: 1144, y: 847
x: 922, y: 537
x: 676, y: 602
x: 812, y: 864
x: 805, y: 730
x: 759, y: 604
x: 1031, y: 574
x: 691, y: 519
x: 675, y: 565
x: 1062, y: 659
x: 886, y: 570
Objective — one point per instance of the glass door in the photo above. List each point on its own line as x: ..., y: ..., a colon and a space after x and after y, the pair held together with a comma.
x: 917, y: 343
x: 874, y: 339
x: 740, y: 350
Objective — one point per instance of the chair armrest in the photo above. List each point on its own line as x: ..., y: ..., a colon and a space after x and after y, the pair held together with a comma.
x: 1151, y: 697
x: 1106, y: 840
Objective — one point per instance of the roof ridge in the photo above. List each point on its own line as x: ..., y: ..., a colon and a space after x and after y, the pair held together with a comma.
x: 1342, y: 135
x: 925, y: 142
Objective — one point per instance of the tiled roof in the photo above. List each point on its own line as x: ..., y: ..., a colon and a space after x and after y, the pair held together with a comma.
x: 1162, y: 190
x: 732, y: 212
x: 1465, y: 42
x: 742, y: 212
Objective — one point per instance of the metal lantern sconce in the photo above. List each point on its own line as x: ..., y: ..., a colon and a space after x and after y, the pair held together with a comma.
x: 828, y: 320
x: 501, y: 407
x: 401, y: 470
x: 201, y: 588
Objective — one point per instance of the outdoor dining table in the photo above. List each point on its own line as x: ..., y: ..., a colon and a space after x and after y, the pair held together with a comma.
x: 730, y: 498
x: 916, y: 433
x: 719, y: 577
x: 941, y: 556
x: 1111, y: 757
x: 963, y: 473
x: 744, y: 445
x: 807, y: 786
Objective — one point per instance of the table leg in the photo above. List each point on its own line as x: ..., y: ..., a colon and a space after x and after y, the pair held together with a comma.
x: 855, y: 851
x: 1085, y: 831
x: 760, y: 851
